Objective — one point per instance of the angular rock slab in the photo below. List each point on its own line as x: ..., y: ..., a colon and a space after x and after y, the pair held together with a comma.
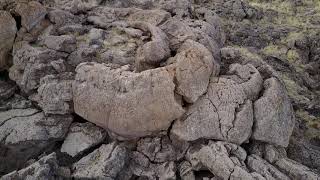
x: 106, y: 162
x: 8, y: 32
x: 274, y: 117
x: 81, y: 137
x: 128, y: 104
x: 225, y: 112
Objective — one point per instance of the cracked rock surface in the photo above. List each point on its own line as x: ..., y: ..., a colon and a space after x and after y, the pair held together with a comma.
x: 160, y: 89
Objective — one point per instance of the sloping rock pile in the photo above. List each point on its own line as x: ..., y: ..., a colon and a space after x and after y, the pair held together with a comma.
x: 136, y: 90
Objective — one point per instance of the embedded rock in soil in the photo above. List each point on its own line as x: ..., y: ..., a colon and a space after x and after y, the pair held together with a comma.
x: 225, y: 112
x: 8, y: 32
x: 107, y: 162
x: 128, y: 104
x: 274, y: 118
x: 81, y: 137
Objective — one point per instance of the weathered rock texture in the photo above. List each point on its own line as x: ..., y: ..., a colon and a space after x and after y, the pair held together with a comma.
x: 159, y: 89
x: 126, y: 103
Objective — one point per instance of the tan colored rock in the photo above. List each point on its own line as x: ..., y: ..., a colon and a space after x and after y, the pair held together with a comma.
x: 225, y: 112
x: 128, y: 104
x: 194, y: 67
x: 8, y: 32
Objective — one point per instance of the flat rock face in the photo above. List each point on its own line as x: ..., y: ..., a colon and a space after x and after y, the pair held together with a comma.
x: 274, y: 118
x: 225, y: 112
x: 8, y: 32
x: 126, y: 103
x: 82, y: 136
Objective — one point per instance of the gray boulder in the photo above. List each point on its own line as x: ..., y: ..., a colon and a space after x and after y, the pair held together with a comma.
x: 107, y: 162
x: 24, y: 133
x: 128, y: 104
x: 274, y: 117
x: 82, y: 136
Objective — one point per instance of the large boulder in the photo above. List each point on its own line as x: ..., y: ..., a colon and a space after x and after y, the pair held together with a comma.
x: 8, y: 32
x: 274, y: 117
x: 126, y: 103
x: 225, y: 112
